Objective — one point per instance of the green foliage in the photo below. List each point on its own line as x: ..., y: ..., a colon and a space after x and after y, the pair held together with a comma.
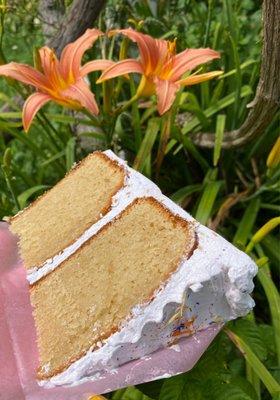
x: 245, y: 363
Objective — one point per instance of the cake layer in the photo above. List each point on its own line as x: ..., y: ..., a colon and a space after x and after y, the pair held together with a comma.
x: 61, y: 215
x: 135, y: 186
x: 91, y: 294
x: 212, y: 286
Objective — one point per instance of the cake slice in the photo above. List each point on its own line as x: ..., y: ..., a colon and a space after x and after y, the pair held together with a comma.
x: 93, y: 292
x: 137, y: 273
x: 59, y: 217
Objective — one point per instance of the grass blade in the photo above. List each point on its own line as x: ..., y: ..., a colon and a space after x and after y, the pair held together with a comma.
x: 262, y: 232
x: 246, y: 224
x: 180, y: 196
x: 274, y: 305
x: 207, y: 201
x: 24, y: 196
x: 70, y: 153
x: 192, y: 149
x: 147, y: 144
x: 220, y: 127
x: 258, y: 367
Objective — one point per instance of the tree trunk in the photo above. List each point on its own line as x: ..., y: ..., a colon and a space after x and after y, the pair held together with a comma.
x: 80, y: 16
x: 267, y: 98
x: 51, y: 12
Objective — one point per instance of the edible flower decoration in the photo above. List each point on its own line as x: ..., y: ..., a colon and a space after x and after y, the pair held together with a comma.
x: 161, y: 68
x: 62, y: 81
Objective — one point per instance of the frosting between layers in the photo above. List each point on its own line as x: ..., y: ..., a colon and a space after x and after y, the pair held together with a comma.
x: 214, y: 283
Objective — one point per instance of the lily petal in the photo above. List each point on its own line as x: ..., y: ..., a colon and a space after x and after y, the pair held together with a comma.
x: 72, y: 54
x: 81, y: 93
x: 190, y: 59
x: 25, y: 74
x: 148, y: 47
x: 194, y: 79
x: 31, y: 106
x: 121, y: 68
x: 50, y: 66
x: 166, y: 92
x: 95, y: 65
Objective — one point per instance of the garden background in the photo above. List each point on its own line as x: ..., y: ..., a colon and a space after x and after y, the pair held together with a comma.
x: 228, y: 179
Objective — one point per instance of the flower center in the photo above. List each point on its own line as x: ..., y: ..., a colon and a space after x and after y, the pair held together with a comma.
x: 165, y: 61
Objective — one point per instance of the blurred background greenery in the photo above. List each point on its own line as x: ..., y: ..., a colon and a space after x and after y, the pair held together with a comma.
x: 233, y: 191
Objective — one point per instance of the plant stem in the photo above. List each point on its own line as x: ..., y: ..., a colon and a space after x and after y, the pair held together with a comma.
x: 135, y: 118
x: 208, y: 24
x: 253, y: 379
x: 43, y: 115
x: 106, y: 97
x: 121, y: 109
x: 10, y: 187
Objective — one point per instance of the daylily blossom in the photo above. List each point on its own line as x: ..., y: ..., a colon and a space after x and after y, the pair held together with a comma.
x: 163, y: 70
x: 62, y: 81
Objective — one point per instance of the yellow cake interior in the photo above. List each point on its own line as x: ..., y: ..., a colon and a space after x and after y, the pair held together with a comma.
x: 90, y: 294
x: 60, y: 216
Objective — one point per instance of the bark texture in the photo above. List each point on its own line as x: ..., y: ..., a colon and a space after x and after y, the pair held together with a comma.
x: 80, y: 16
x: 51, y: 12
x: 267, y: 98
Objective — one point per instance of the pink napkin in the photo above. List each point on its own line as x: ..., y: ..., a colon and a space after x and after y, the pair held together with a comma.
x: 18, y: 350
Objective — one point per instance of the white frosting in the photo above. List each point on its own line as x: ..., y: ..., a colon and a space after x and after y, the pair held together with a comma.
x: 214, y: 284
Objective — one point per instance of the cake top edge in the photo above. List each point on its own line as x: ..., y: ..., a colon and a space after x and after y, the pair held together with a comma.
x: 108, y: 158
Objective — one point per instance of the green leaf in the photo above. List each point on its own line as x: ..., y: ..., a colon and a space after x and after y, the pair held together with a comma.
x: 218, y: 390
x: 220, y: 127
x: 267, y: 334
x: 272, y: 386
x: 192, y: 149
x: 70, y: 153
x: 180, y: 388
x: 221, y: 104
x: 216, y: 94
x: 249, y: 332
x: 237, y: 81
x: 245, y: 385
x: 52, y: 159
x: 147, y: 144
x: 131, y: 393
x: 151, y: 389
x: 207, y: 201
x: 118, y: 394
x: 180, y: 196
x: 271, y: 246
x: 233, y: 71
x: 273, y: 298
x: 246, y: 224
x: 226, y: 101
x: 67, y: 119
x: 25, y: 196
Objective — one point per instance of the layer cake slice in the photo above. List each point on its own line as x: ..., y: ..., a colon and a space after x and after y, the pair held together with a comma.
x: 57, y: 218
x: 127, y: 274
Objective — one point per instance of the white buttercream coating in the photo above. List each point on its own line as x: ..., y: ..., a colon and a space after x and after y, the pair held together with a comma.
x: 214, y: 284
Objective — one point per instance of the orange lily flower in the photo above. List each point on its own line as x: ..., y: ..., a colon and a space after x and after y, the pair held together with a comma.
x: 161, y: 67
x: 61, y: 80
